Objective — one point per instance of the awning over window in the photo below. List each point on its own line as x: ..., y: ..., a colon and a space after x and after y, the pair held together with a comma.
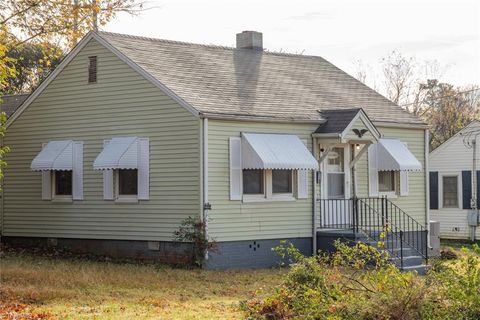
x: 275, y: 151
x: 55, y: 155
x: 394, y: 155
x: 118, y: 153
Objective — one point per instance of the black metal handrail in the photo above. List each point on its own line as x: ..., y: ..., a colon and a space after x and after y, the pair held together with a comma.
x: 378, y: 218
x: 374, y: 225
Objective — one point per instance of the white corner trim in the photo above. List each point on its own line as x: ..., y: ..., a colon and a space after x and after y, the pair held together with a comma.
x: 146, y: 75
x: 72, y: 54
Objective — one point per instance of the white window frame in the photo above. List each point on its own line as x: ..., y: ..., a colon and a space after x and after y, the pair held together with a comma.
x: 56, y: 197
x: 396, y: 182
x: 128, y: 198
x: 268, y: 194
x: 459, y: 189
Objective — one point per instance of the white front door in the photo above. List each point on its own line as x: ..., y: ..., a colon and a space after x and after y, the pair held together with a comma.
x: 335, y: 187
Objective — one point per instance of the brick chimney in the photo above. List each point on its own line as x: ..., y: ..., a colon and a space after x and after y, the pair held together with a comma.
x: 250, y: 40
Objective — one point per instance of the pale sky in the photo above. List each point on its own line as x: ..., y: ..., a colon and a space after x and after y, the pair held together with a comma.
x: 339, y: 31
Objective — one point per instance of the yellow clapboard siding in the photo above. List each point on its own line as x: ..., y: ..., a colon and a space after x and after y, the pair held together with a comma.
x: 121, y: 103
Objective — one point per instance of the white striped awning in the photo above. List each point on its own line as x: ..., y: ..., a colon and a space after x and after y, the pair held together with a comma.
x: 275, y: 151
x: 393, y: 155
x: 118, y: 153
x: 55, y: 155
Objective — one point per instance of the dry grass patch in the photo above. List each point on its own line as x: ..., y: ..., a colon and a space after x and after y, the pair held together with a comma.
x: 42, y: 288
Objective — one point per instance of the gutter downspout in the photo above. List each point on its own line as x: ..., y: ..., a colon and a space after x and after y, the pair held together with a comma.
x: 427, y: 187
x: 314, y: 197
x: 205, y: 204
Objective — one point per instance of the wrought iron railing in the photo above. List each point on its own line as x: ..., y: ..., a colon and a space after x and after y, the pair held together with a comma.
x: 379, y: 219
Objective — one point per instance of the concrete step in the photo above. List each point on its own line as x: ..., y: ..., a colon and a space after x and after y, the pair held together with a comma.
x: 420, y: 269
x: 408, y: 261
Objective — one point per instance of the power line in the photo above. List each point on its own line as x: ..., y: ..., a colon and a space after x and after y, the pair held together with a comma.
x: 437, y: 98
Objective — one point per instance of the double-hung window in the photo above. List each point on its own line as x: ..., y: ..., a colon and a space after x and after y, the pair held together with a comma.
x: 253, y: 182
x: 127, y: 182
x: 450, y: 191
x: 282, y: 181
x: 62, y: 183
x: 125, y: 165
x: 267, y: 183
x: 387, y: 182
x: 61, y: 164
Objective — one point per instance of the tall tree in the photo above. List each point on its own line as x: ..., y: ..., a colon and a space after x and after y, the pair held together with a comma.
x: 49, y: 21
x: 32, y: 62
x: 414, y: 85
x: 46, y: 22
x: 448, y: 109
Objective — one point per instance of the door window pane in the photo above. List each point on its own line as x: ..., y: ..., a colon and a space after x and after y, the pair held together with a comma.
x: 127, y: 182
x: 253, y: 181
x: 336, y: 160
x: 63, y: 183
x: 336, y: 185
x: 450, y: 192
x: 282, y: 181
x: 386, y: 181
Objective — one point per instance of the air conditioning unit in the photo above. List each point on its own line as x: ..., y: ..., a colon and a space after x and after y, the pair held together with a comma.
x: 472, y: 218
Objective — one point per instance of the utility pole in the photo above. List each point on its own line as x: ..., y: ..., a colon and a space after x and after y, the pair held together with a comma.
x: 75, y: 22
x: 94, y: 15
x: 475, y: 185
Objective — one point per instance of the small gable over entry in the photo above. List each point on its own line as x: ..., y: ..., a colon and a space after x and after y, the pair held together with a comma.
x: 347, y: 126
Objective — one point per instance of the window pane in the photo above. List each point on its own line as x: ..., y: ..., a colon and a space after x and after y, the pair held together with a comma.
x: 336, y: 185
x: 253, y: 181
x: 63, y: 183
x: 386, y: 181
x: 282, y: 181
x: 335, y: 160
x: 450, y: 192
x: 127, y: 182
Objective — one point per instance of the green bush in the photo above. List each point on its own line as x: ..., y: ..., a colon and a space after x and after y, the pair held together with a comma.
x: 457, y: 287
x: 358, y: 282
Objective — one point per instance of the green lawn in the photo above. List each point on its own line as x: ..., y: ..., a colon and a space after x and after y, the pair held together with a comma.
x: 33, y: 287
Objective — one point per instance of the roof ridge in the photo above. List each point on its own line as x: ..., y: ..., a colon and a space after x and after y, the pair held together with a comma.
x: 215, y: 46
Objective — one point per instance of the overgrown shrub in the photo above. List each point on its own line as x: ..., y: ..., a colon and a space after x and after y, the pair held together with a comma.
x: 457, y: 287
x: 192, y: 230
x: 359, y: 282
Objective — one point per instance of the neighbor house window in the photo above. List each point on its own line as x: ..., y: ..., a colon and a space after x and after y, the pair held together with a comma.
x: 282, y: 181
x: 387, y: 181
x: 127, y: 182
x: 450, y: 192
x: 62, y: 183
x: 253, y: 182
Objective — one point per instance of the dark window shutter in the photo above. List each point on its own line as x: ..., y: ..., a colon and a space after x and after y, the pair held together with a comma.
x: 92, y: 69
x: 466, y: 188
x: 478, y: 189
x: 433, y: 190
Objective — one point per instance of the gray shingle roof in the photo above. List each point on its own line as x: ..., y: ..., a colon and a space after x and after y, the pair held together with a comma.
x: 10, y: 103
x: 337, y: 120
x: 251, y: 83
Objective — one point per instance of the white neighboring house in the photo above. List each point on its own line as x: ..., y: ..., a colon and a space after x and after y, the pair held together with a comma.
x: 452, y: 184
